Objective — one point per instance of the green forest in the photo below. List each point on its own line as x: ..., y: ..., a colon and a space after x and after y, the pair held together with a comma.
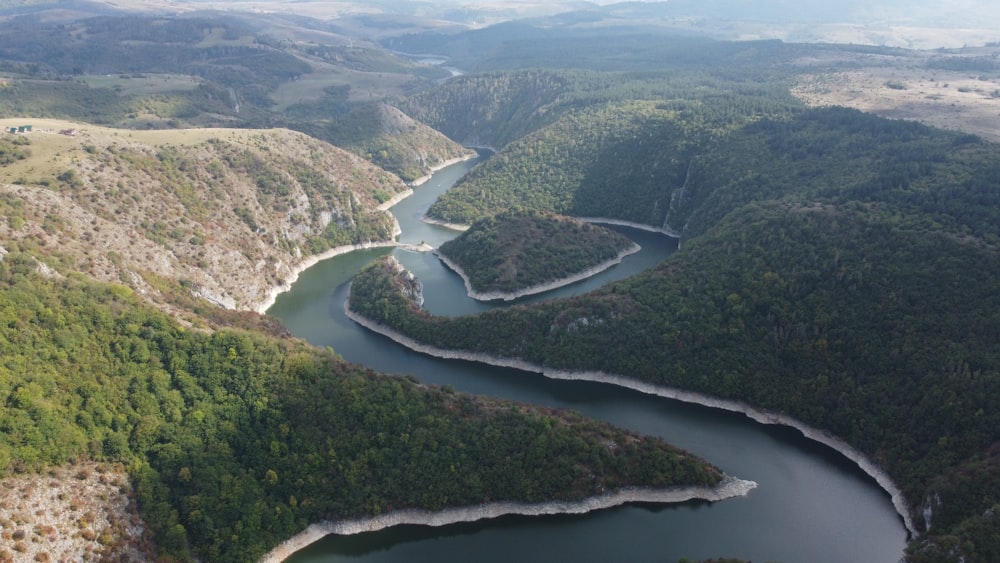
x: 836, y: 267
x: 236, y: 441
x: 513, y: 251
x: 221, y: 71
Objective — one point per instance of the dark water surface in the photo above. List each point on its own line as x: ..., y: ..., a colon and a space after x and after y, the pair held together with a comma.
x: 811, y: 505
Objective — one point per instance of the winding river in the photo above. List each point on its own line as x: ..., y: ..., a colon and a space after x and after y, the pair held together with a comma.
x: 811, y: 505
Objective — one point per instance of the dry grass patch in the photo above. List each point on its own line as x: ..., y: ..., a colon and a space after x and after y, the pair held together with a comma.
x: 365, y: 86
x: 946, y: 99
x: 68, y: 514
x: 143, y: 84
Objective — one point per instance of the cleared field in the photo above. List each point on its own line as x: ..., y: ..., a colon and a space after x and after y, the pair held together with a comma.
x: 948, y: 100
x: 52, y: 152
x: 365, y: 86
x: 144, y: 84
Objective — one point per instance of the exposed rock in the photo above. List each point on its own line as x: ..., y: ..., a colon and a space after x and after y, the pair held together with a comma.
x: 230, y: 213
x: 76, y: 512
x: 727, y: 488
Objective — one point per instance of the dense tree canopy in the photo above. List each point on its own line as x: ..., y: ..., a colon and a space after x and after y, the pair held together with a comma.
x: 236, y: 440
x: 837, y: 267
x: 514, y: 251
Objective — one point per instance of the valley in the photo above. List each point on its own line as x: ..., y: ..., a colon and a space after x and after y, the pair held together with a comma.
x: 837, y: 207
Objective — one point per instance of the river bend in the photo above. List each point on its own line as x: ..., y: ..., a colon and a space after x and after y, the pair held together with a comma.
x: 811, y: 505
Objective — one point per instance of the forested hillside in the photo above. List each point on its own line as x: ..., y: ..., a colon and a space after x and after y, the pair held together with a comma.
x: 388, y: 138
x: 618, y: 160
x: 610, y: 145
x: 228, y: 213
x: 867, y: 328
x: 836, y: 267
x: 237, y: 441
x: 230, y: 70
x: 496, y: 108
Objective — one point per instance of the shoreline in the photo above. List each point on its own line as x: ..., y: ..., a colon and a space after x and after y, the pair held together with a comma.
x: 423, y: 179
x: 601, y: 220
x: 453, y: 226
x: 729, y: 487
x: 642, y: 227
x: 763, y: 417
x: 295, y: 271
x: 540, y: 288
x: 395, y: 199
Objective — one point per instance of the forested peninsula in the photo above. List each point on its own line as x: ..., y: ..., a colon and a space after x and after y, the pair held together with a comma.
x: 825, y: 275
x: 514, y: 254
x: 237, y: 441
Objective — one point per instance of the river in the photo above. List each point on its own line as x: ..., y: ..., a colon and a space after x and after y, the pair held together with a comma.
x: 811, y: 505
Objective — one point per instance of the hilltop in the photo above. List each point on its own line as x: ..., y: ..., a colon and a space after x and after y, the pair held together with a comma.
x: 226, y: 214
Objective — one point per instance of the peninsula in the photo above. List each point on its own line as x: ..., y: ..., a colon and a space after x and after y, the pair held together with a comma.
x: 386, y: 266
x: 519, y: 253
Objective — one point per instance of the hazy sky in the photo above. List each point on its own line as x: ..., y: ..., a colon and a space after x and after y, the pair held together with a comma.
x: 920, y: 24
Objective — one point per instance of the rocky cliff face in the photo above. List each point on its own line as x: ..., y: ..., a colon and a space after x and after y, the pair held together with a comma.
x: 226, y: 213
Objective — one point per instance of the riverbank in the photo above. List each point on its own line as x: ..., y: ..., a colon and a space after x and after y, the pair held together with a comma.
x: 310, y: 261
x: 869, y: 467
x: 423, y: 179
x: 729, y: 487
x: 384, y: 206
x: 535, y: 289
x: 453, y: 226
x: 601, y: 220
x: 642, y: 227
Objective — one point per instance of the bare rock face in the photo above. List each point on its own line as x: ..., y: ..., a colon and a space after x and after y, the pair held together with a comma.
x: 77, y: 512
x: 227, y: 213
x: 412, y: 288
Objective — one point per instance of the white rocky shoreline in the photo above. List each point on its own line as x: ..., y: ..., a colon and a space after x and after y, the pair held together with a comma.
x: 295, y: 271
x: 601, y: 220
x: 453, y: 226
x: 307, y: 263
x: 764, y: 417
x: 439, y: 166
x: 729, y: 487
x: 535, y: 289
x: 642, y: 227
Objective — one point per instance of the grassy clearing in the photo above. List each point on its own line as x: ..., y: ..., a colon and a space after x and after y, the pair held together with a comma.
x: 142, y: 85
x: 53, y: 153
x: 365, y: 86
x: 939, y: 98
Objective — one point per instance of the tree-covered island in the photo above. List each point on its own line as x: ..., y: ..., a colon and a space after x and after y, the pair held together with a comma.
x: 519, y: 253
